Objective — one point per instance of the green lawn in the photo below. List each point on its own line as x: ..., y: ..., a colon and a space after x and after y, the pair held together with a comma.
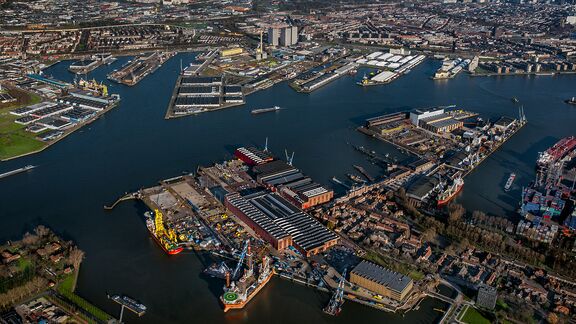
x: 416, y: 275
x: 472, y: 316
x: 24, y: 263
x: 14, y: 139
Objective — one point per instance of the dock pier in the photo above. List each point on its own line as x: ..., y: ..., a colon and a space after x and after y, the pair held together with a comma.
x: 127, y: 196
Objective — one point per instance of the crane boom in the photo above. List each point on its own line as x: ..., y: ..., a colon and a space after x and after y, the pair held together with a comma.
x: 241, y: 260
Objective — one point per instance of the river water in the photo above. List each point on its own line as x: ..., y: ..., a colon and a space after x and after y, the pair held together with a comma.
x: 132, y: 147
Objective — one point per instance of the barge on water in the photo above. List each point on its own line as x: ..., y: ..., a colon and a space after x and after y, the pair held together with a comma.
x: 265, y: 110
x: 133, y: 305
x: 13, y: 172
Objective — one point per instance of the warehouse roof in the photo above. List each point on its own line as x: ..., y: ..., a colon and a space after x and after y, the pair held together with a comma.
x: 392, y: 280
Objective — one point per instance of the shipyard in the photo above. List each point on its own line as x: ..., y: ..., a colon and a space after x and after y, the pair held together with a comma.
x: 259, y: 216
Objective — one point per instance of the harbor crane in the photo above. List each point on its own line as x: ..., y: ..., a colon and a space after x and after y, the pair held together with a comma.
x: 335, y: 305
x: 241, y: 260
x: 289, y: 158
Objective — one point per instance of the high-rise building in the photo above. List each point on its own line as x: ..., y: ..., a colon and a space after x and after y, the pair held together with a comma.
x: 286, y: 36
x: 273, y: 36
x: 294, y: 35
x: 283, y: 36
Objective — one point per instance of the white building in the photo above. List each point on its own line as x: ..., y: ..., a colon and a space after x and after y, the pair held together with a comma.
x: 419, y: 114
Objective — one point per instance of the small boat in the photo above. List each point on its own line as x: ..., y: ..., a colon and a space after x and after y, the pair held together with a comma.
x: 355, y: 178
x: 515, y: 100
x: 571, y: 101
x: 265, y: 110
x: 510, y: 181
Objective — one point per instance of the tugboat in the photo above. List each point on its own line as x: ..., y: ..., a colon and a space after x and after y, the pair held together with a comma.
x: 355, y: 178
x: 510, y: 181
x: 166, y: 238
x: 571, y: 101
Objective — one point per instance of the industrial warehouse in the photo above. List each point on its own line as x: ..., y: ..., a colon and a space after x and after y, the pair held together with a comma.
x: 288, y: 181
x: 281, y: 224
x: 381, y: 280
x: 435, y: 120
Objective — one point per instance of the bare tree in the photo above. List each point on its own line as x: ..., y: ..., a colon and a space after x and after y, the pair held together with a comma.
x: 76, y: 256
x: 429, y: 234
x: 41, y: 231
x: 455, y: 212
x: 30, y: 239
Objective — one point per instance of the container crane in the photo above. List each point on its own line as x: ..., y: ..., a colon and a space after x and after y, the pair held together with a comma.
x: 335, y: 305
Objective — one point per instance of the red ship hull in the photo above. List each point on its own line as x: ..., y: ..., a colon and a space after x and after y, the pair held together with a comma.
x: 168, y: 251
x: 444, y: 202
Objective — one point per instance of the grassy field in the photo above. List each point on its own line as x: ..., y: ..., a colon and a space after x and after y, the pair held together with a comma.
x: 14, y: 139
x: 24, y: 263
x: 472, y: 316
x: 65, y: 288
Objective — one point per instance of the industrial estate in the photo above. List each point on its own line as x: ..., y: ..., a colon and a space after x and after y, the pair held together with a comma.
x: 388, y: 240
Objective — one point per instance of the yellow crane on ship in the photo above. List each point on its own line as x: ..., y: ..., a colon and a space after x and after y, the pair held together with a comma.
x: 160, y: 230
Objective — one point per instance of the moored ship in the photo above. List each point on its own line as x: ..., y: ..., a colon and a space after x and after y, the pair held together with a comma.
x: 450, y: 192
x: 510, y: 181
x: 166, y: 238
x: 558, y: 151
x: 130, y: 303
x: 236, y: 297
x: 13, y: 172
x: 265, y: 110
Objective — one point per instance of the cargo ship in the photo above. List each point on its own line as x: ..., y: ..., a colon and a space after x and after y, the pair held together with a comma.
x: 235, y: 297
x: 510, y: 181
x: 13, y: 172
x: 556, y: 152
x: 166, y: 238
x: 265, y: 110
x: 571, y: 101
x: 450, y: 192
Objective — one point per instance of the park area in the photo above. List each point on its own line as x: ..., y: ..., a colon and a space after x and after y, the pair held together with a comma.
x: 472, y: 316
